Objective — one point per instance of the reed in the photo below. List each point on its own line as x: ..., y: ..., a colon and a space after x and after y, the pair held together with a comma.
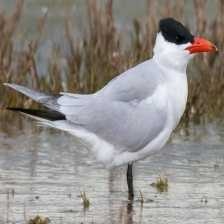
x: 91, y: 62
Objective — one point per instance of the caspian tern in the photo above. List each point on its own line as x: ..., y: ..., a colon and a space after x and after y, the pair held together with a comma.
x: 133, y: 116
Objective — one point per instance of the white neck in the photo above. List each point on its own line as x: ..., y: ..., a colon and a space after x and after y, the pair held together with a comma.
x: 170, y: 55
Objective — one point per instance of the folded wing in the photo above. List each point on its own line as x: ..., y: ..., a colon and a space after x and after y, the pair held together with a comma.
x: 123, y: 113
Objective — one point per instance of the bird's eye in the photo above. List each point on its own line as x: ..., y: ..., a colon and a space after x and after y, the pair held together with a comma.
x: 179, y: 38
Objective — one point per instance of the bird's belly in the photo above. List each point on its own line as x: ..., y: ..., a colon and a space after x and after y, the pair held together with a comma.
x: 151, y: 148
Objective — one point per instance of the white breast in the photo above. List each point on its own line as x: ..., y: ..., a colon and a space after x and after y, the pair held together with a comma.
x: 178, y: 92
x: 158, y: 98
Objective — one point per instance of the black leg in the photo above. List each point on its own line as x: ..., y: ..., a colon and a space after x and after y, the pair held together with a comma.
x: 130, y: 182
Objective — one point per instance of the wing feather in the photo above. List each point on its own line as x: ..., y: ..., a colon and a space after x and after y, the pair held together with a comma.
x: 119, y: 113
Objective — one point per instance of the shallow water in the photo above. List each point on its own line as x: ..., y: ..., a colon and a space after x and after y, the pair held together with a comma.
x: 43, y: 171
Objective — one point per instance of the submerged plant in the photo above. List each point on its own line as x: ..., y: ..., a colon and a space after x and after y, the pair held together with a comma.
x: 39, y: 220
x: 85, y: 200
x: 161, y: 184
x: 141, y: 198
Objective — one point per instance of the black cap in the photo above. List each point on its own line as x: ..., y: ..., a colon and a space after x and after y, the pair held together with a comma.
x: 175, y: 32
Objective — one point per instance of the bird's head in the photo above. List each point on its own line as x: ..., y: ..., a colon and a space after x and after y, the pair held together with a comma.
x: 175, y: 45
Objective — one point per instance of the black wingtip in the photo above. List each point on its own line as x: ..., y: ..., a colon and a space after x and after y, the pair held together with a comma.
x: 13, y: 108
x: 45, y: 114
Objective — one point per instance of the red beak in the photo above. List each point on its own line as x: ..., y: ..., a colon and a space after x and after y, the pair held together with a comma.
x: 201, y: 45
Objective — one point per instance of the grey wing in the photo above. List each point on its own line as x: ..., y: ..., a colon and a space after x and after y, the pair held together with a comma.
x: 117, y: 113
x: 136, y: 83
x: 125, y: 125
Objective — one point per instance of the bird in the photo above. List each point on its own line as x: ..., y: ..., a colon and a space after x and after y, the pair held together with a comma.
x: 133, y: 115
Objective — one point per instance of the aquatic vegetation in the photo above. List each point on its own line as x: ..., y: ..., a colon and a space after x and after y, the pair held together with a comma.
x: 85, y: 200
x: 90, y: 62
x: 39, y: 220
x: 161, y: 184
x: 141, y: 198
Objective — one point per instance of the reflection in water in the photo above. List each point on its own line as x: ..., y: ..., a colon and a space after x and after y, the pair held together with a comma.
x: 126, y: 208
x: 43, y: 171
x: 117, y: 185
x: 129, y: 213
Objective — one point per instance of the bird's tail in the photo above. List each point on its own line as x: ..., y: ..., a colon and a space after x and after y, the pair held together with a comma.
x: 45, y: 99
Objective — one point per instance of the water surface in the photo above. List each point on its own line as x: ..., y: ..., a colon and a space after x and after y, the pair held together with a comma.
x: 43, y: 171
